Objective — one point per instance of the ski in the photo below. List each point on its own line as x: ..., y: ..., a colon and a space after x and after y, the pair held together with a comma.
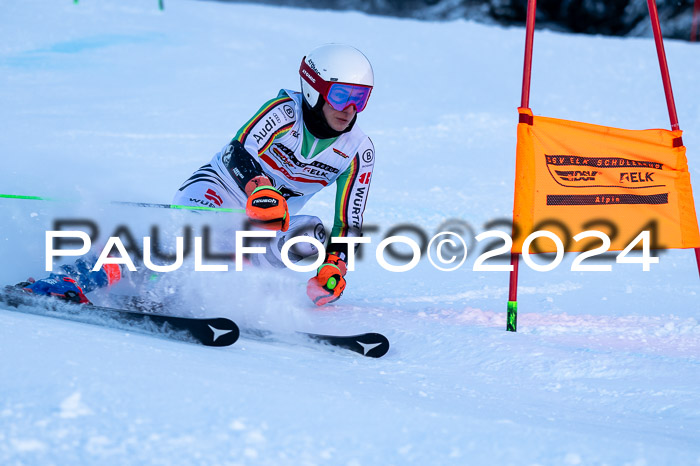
x: 206, y: 331
x: 371, y: 345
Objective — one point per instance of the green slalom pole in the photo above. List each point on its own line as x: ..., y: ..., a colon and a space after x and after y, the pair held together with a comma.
x: 32, y: 198
x: 512, y: 323
x: 160, y: 5
x: 130, y: 204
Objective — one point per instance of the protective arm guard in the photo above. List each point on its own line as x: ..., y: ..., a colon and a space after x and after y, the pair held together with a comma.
x: 241, y: 165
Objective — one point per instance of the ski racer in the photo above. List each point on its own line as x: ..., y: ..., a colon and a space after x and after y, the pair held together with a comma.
x: 296, y: 144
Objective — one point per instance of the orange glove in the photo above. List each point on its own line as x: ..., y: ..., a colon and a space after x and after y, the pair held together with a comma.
x: 328, y: 284
x: 267, y: 209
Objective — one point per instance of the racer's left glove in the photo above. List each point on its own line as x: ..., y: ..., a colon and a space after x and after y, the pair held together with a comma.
x: 329, y: 283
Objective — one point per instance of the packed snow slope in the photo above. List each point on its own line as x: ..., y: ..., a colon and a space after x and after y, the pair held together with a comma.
x: 116, y: 100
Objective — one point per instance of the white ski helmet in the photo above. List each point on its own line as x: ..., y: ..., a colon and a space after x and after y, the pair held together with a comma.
x: 335, y: 63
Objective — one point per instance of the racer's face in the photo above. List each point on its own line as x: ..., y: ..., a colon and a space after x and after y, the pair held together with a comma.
x: 338, y: 120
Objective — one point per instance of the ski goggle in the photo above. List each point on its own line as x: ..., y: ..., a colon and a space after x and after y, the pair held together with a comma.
x: 338, y: 95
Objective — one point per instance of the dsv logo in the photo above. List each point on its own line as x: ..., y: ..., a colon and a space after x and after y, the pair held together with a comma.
x: 577, y: 175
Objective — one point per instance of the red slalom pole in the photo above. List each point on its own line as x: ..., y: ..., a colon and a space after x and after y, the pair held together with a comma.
x: 666, y: 78
x: 693, y: 38
x: 656, y: 27
x: 512, y: 316
x: 529, y: 41
x: 696, y: 21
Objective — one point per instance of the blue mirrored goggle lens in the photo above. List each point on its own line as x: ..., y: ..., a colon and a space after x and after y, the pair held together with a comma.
x: 341, y: 96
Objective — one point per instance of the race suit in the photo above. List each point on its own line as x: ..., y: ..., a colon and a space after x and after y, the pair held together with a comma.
x: 276, y: 143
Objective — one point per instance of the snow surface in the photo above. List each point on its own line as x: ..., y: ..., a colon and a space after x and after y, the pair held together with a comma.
x: 118, y: 100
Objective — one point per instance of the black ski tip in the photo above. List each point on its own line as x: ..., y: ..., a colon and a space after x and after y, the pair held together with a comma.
x: 374, y: 345
x: 222, y: 332
x: 371, y: 345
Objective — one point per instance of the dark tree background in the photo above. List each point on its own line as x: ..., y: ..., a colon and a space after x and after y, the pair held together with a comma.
x: 609, y: 17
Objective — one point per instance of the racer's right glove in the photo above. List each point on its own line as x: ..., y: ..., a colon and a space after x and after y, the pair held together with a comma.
x: 267, y: 208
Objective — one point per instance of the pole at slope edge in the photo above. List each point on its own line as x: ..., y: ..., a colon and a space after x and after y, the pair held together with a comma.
x: 666, y: 77
x: 512, y: 316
